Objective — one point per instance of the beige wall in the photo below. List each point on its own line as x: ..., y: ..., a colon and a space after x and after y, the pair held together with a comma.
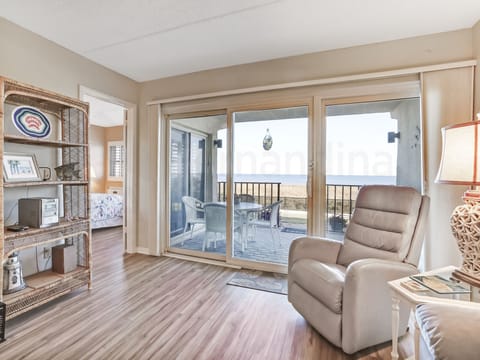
x: 114, y: 133
x: 425, y: 50
x: 29, y: 58
x: 419, y: 51
x: 98, y: 139
x: 446, y: 100
x: 97, y: 158
x: 476, y: 52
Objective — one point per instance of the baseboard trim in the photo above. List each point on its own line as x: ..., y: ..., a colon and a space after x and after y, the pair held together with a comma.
x: 201, y: 260
x: 143, y: 251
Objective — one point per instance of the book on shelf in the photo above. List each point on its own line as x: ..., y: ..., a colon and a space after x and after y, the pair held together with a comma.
x: 440, y: 285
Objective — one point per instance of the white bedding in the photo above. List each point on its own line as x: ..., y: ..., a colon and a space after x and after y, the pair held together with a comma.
x: 106, y: 210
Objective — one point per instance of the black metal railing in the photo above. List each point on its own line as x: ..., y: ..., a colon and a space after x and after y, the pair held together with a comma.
x: 340, y: 199
x: 340, y: 204
x: 264, y: 193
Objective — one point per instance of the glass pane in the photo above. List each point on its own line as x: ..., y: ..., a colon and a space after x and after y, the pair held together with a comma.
x: 197, y: 201
x: 369, y: 143
x: 178, y: 179
x: 270, y: 176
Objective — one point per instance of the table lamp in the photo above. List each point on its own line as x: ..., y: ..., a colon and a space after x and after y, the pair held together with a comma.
x: 459, y: 165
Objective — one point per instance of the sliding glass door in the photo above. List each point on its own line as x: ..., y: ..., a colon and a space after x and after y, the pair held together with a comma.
x: 270, y: 165
x: 254, y: 218
x: 238, y: 183
x: 198, y: 224
x: 377, y: 142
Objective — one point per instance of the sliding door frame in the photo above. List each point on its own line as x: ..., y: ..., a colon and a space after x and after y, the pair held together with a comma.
x: 322, y: 103
x: 166, y: 245
x: 316, y: 98
x: 308, y: 102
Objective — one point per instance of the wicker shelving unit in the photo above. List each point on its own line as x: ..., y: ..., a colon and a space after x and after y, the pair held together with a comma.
x: 68, y: 143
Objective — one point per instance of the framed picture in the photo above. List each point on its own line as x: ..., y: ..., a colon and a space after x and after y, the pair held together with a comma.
x: 20, y: 167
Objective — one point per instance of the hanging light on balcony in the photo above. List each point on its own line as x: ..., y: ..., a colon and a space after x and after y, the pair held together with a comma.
x: 267, y: 141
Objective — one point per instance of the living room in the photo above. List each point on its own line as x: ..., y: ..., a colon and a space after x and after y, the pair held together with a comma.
x: 233, y: 323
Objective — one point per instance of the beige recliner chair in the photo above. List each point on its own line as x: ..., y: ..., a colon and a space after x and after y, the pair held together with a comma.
x: 341, y: 288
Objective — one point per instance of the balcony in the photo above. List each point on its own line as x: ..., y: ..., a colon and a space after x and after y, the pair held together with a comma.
x: 269, y: 245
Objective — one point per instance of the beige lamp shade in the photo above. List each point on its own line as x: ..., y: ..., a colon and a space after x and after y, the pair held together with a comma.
x: 460, y: 154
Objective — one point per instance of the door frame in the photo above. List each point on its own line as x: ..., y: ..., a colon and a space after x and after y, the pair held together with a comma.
x: 130, y: 180
x: 316, y: 97
x: 308, y: 102
x: 168, y: 118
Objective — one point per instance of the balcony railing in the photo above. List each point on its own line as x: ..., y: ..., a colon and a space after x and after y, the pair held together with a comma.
x: 340, y: 204
x: 264, y: 193
x: 340, y: 199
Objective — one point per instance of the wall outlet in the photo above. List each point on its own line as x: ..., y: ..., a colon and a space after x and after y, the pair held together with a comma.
x: 46, y: 252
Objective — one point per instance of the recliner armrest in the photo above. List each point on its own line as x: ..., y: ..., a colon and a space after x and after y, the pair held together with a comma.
x: 317, y: 248
x: 367, y: 278
x: 390, y: 270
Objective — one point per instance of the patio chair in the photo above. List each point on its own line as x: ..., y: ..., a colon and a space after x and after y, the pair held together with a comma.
x: 248, y: 216
x: 271, y: 211
x: 216, y: 223
x: 193, y: 209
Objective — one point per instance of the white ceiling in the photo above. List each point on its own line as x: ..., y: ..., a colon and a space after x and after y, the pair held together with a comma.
x: 103, y: 113
x: 151, y: 39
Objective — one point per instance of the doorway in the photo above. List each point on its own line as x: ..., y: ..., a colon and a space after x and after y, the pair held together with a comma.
x: 238, y: 188
x: 111, y: 142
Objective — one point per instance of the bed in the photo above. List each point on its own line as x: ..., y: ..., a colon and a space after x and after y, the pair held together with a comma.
x: 106, y: 210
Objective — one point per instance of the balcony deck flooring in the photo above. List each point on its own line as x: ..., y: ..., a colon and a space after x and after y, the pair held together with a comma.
x: 261, y: 248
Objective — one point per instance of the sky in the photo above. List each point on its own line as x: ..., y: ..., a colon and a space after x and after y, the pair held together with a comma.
x: 347, y: 152
x: 288, y: 154
x: 357, y: 145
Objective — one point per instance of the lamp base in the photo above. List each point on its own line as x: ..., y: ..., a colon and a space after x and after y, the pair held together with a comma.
x: 465, y: 227
x: 466, y: 277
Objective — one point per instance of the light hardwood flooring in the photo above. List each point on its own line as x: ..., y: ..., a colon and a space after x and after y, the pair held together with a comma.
x: 145, y: 307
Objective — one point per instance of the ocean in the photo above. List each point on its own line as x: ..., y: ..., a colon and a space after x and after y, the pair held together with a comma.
x: 302, y: 179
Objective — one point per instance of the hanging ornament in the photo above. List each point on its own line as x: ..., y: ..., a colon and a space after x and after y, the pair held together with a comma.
x: 267, y: 141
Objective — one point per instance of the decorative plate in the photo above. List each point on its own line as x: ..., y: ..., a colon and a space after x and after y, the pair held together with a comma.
x: 31, y: 122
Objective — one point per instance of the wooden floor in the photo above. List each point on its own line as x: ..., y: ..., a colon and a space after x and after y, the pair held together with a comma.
x: 144, y: 307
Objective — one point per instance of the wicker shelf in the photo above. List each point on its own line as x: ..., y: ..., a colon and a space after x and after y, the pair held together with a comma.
x: 69, y: 130
x: 44, y: 183
x: 24, y: 140
x: 19, y: 240
x: 43, y: 287
x: 17, y: 93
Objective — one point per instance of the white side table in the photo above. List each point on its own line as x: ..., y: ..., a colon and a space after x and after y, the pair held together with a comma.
x: 400, y: 293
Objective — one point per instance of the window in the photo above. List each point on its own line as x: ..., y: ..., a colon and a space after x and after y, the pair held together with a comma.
x: 116, y: 160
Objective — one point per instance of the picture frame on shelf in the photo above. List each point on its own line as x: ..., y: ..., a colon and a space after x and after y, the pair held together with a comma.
x: 20, y: 167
